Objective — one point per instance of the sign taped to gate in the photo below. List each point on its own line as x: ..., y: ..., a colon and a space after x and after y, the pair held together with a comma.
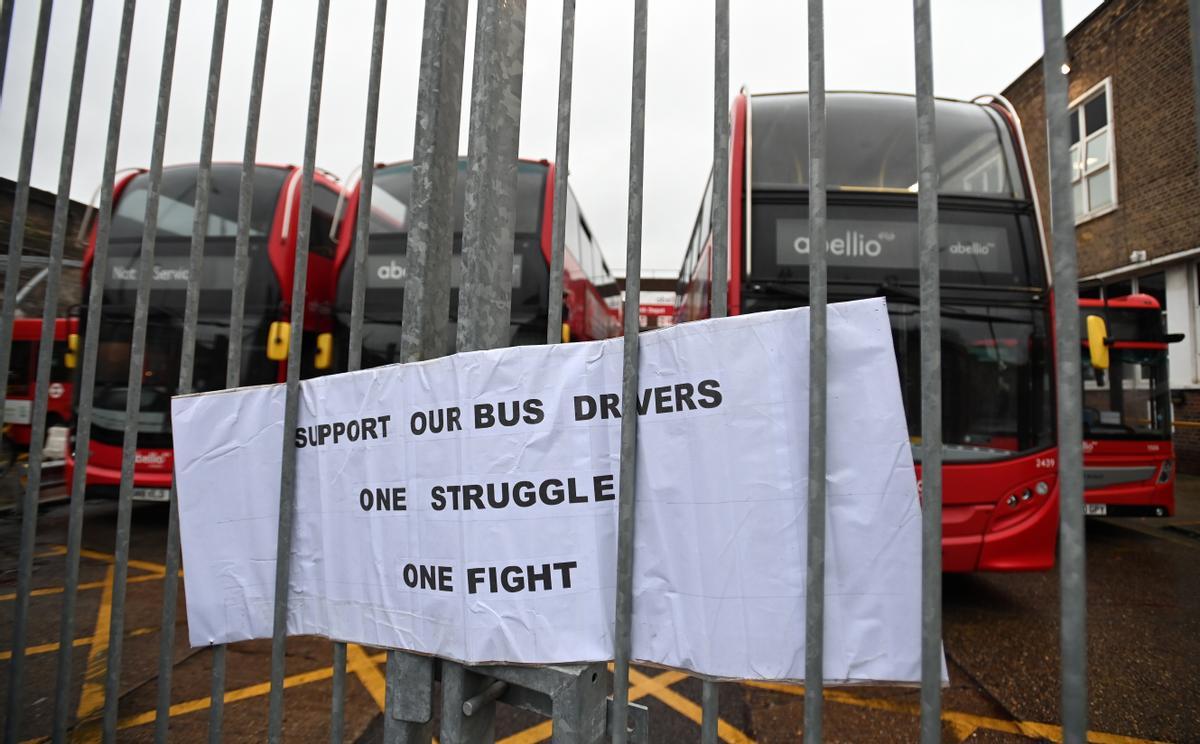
x: 466, y: 506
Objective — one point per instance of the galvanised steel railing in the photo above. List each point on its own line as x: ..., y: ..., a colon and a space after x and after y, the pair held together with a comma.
x: 579, y: 711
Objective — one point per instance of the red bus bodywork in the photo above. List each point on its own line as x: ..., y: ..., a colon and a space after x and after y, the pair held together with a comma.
x: 154, y: 466
x: 27, y: 333
x: 1129, y: 470
x: 999, y: 515
x: 586, y: 310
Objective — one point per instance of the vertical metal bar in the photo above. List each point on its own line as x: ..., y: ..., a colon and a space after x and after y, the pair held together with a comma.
x: 931, y: 383
x: 1071, y: 553
x: 426, y: 308
x: 1194, y: 17
x: 233, y: 365
x: 287, y: 481
x: 338, y: 706
x: 112, y: 679
x: 362, y: 227
x: 720, y: 201
x: 562, y: 154
x: 6, y: 14
x: 87, y: 379
x: 710, y: 693
x: 814, y: 632
x: 362, y: 234
x: 16, y: 241
x: 29, y: 511
x: 629, y: 386
x: 166, y: 648
x: 485, y: 297
x: 435, y: 173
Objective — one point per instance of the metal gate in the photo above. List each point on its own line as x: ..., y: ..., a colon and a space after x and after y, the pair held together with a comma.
x: 575, y: 697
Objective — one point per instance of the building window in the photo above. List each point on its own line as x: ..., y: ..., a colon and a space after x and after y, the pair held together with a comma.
x: 1093, y: 176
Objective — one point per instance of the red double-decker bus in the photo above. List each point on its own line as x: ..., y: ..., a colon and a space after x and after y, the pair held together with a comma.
x: 1000, y: 492
x: 274, y: 223
x: 591, y: 299
x: 22, y: 379
x: 1128, y: 456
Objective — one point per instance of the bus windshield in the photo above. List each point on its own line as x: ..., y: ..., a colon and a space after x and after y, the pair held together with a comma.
x: 870, y: 145
x: 392, y: 194
x: 177, y: 202
x: 1132, y: 398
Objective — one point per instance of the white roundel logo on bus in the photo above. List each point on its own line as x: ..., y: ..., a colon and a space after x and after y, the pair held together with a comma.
x: 56, y: 390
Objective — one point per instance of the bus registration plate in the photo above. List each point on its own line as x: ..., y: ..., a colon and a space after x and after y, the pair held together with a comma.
x: 1095, y: 510
x: 152, y: 494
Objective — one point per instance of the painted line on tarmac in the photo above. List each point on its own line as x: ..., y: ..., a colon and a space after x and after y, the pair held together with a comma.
x: 49, y: 648
x: 367, y: 673
x: 247, y: 693
x: 637, y: 690
x: 86, y: 586
x: 1030, y: 729
x: 680, y: 704
x: 91, y: 697
x: 155, y: 571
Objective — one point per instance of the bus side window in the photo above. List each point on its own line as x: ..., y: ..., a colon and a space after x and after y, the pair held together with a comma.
x: 321, y: 243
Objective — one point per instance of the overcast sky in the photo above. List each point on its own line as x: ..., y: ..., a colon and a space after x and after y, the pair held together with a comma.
x: 980, y: 46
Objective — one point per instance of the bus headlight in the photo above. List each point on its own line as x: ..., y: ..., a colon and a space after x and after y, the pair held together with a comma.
x: 1164, y: 475
x: 1042, y: 488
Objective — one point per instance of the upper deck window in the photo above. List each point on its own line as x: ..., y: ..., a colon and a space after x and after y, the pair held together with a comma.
x: 872, y: 145
x: 391, y: 198
x: 177, y: 202
x: 1093, y: 181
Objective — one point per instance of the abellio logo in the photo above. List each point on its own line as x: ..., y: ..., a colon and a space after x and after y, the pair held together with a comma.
x: 853, y: 245
x: 391, y: 271
x: 152, y: 458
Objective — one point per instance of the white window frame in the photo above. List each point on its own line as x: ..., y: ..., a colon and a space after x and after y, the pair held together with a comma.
x: 1076, y: 109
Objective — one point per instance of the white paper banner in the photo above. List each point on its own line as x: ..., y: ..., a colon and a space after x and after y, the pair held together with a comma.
x: 466, y: 506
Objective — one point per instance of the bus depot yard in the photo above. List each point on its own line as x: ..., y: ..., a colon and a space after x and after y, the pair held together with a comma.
x: 1001, y: 643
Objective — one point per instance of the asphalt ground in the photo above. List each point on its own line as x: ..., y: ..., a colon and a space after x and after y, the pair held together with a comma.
x: 1001, y: 639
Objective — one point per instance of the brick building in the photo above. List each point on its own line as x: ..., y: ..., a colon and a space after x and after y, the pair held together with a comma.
x: 38, y: 223
x: 1136, y: 180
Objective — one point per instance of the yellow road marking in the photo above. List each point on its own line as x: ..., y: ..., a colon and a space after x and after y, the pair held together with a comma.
x: 958, y: 720
x: 156, y: 568
x: 246, y: 693
x: 680, y: 704
x: 156, y: 572
x: 367, y: 673
x: 50, y: 590
x: 49, y: 648
x: 640, y: 689
x: 91, y: 697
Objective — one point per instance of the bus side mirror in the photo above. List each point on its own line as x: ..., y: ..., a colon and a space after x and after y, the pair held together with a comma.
x: 566, y: 333
x: 277, y: 340
x: 1097, y: 332
x: 70, y: 359
x: 1174, y: 338
x: 324, y: 358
